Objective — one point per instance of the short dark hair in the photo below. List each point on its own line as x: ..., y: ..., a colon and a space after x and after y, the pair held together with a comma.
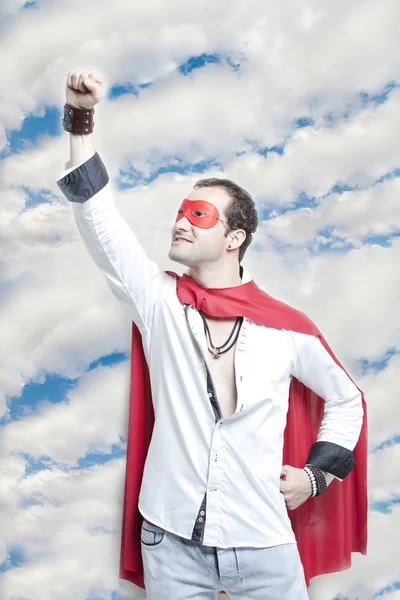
x: 240, y: 213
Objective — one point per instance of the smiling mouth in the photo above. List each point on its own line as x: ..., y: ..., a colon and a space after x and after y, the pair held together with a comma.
x: 182, y: 240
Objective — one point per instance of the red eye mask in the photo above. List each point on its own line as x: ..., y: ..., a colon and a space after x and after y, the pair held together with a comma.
x: 199, y: 212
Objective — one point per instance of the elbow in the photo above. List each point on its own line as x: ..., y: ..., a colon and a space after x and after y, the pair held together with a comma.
x: 357, y: 421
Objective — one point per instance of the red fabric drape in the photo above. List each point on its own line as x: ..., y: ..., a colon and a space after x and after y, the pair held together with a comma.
x: 327, y: 528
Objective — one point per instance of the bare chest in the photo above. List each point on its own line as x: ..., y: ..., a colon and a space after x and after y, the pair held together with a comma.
x: 223, y: 368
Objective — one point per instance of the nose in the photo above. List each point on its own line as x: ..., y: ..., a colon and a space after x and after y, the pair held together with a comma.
x: 183, y: 224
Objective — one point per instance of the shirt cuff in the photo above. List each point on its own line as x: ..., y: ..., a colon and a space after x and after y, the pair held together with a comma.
x: 85, y: 180
x: 332, y: 458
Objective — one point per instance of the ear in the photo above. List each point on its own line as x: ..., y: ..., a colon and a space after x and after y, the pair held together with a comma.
x: 238, y: 235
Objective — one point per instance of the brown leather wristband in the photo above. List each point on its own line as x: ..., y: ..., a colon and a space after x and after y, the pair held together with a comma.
x: 78, y: 120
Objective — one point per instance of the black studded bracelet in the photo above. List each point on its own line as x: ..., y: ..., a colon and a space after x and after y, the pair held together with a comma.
x: 78, y: 120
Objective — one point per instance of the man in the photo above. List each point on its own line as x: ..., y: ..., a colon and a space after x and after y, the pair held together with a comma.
x: 222, y: 359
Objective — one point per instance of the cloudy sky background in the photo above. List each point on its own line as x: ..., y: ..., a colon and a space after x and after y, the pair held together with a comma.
x: 299, y: 102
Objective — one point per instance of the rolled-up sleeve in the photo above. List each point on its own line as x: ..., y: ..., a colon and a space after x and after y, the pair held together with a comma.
x: 134, y: 279
x: 343, y: 411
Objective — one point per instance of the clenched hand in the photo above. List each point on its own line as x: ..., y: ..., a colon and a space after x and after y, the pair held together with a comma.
x: 295, y: 486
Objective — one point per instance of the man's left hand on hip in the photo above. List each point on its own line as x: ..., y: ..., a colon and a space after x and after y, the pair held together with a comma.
x: 295, y: 486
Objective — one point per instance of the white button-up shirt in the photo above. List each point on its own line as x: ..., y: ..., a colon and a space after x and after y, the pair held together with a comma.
x: 237, y: 460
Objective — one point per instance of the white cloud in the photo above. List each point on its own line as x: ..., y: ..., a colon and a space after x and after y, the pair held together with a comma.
x: 369, y: 574
x: 383, y: 468
x: 357, y: 152
x: 392, y: 596
x: 50, y: 316
x: 357, y: 319
x: 13, y: 467
x: 353, y: 215
x: 70, y: 538
x: 72, y: 530
x: 91, y: 418
x: 283, y: 76
x: 382, y: 391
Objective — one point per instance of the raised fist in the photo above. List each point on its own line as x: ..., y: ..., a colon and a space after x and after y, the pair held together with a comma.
x: 84, y: 89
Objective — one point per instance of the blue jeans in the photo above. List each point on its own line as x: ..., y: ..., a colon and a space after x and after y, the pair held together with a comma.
x: 178, y: 569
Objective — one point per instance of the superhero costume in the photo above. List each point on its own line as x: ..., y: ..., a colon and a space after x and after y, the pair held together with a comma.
x: 327, y: 528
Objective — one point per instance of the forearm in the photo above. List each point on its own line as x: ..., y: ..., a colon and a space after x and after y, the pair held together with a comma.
x: 82, y: 147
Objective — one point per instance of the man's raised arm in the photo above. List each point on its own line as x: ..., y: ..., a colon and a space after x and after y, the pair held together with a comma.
x: 134, y: 279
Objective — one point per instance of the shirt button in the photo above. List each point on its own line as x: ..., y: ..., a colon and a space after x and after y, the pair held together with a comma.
x: 202, y: 512
x: 201, y: 520
x: 209, y: 394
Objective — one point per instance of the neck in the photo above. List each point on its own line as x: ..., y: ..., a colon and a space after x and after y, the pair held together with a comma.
x: 214, y: 277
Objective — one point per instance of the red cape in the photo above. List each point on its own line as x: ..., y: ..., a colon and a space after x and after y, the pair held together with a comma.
x: 327, y: 528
